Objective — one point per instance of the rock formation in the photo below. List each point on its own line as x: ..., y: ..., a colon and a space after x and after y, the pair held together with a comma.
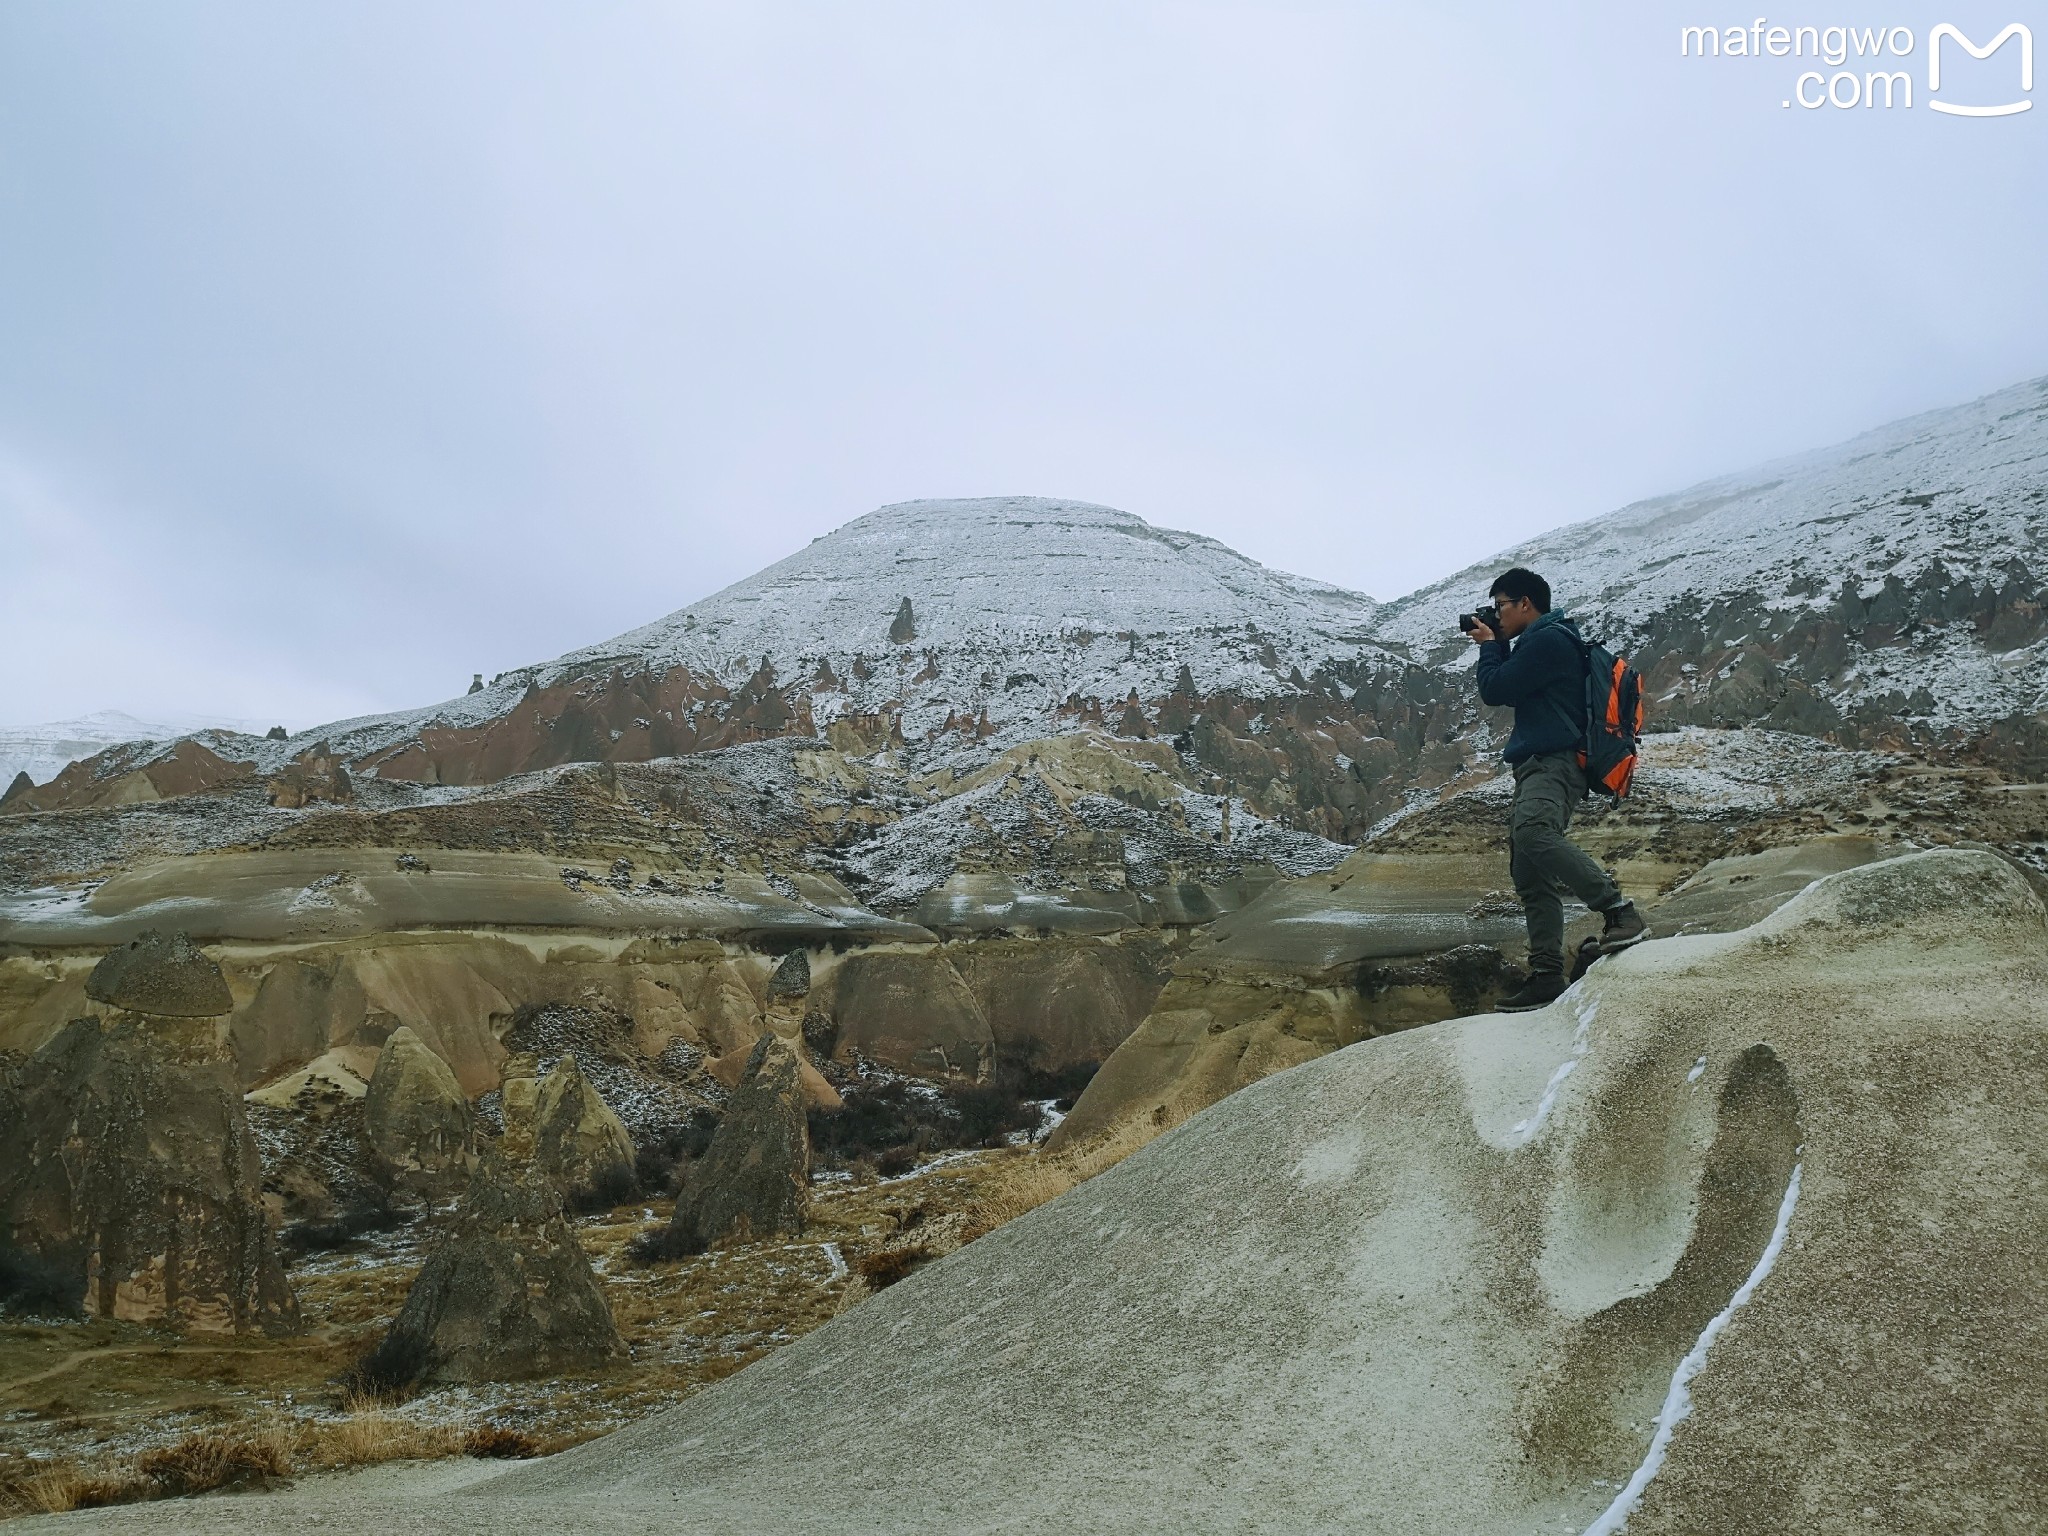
x: 508, y: 1293
x: 792, y: 977
x: 754, y: 1179
x: 579, y: 1144
x: 518, y: 1099
x: 912, y: 1011
x: 421, y: 1132
x: 128, y: 1172
x: 903, y: 628
x: 161, y: 976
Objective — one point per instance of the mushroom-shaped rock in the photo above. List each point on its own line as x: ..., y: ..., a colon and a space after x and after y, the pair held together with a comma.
x: 579, y: 1143
x: 129, y: 1177
x: 165, y: 976
x: 421, y: 1133
x: 754, y: 1179
x: 508, y: 1293
x: 792, y: 976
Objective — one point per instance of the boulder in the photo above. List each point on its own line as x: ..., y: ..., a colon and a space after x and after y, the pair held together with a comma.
x: 421, y: 1132
x: 508, y: 1293
x: 754, y: 1178
x: 163, y: 976
x: 578, y: 1142
x: 128, y: 1174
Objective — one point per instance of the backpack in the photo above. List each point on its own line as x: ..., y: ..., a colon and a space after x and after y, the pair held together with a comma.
x: 1614, y: 720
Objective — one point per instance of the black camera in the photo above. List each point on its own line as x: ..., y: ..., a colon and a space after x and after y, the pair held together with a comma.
x: 1485, y: 614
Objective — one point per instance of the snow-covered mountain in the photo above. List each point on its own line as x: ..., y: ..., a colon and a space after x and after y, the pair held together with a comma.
x: 1019, y: 608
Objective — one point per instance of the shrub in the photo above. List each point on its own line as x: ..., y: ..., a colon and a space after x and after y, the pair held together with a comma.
x: 1019, y: 1065
x: 399, y: 1360
x: 657, y: 1158
x: 888, y: 1265
x: 876, y: 1117
x: 609, y: 1190
x: 896, y: 1162
x: 31, y: 1283
x: 658, y: 1244
x: 339, y: 1231
x: 494, y: 1440
x: 989, y: 1111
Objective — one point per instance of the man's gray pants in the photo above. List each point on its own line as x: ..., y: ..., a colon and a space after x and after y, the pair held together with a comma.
x: 1544, y: 862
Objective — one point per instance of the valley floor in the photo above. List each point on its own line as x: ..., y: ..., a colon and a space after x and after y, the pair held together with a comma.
x: 87, y: 1410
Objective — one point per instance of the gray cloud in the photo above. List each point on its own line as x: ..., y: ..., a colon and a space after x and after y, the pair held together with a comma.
x: 350, y: 350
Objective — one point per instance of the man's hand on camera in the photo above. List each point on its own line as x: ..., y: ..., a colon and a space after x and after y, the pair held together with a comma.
x: 1479, y: 634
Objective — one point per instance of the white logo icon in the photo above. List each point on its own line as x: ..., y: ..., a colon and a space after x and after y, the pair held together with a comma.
x: 1934, y: 68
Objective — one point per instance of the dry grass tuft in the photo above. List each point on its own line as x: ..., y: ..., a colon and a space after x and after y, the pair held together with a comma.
x: 202, y: 1463
x: 370, y: 1435
x: 494, y: 1441
x: 1038, y: 1177
x: 59, y: 1490
x: 851, y: 1294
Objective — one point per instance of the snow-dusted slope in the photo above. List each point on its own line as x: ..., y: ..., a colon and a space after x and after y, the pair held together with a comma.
x: 42, y: 751
x: 1001, y: 572
x: 1921, y: 508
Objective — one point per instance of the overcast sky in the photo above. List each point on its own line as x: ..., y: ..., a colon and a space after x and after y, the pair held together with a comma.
x: 349, y: 349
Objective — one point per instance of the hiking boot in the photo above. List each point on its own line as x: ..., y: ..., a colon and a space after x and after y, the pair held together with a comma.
x: 1539, y: 991
x: 1625, y: 926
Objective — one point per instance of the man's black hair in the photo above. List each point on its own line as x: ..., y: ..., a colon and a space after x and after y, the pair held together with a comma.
x: 1517, y: 583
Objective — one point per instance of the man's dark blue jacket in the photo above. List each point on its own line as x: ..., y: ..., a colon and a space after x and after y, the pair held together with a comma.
x: 1543, y: 675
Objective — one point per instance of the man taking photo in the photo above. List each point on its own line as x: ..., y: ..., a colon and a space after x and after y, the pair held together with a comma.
x: 1531, y: 658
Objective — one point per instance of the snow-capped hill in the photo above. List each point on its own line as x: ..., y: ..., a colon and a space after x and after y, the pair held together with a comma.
x: 1897, y: 575
x: 1000, y: 610
x: 1007, y: 569
x: 944, y: 630
x: 1965, y: 488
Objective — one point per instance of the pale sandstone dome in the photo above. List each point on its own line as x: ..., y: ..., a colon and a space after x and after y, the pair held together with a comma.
x: 579, y: 1142
x: 1748, y: 1228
